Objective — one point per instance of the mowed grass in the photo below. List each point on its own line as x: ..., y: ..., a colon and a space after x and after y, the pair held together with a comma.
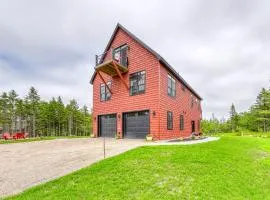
x: 24, y: 140
x: 39, y: 139
x: 231, y: 168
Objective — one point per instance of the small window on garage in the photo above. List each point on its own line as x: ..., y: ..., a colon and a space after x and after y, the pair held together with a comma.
x: 169, y: 120
x: 105, y: 94
x: 137, y: 83
x: 181, y: 122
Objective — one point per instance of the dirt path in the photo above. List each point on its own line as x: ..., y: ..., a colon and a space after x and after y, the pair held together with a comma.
x: 23, y: 165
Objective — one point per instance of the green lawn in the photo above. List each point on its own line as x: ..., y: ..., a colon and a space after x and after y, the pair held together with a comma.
x: 39, y: 139
x: 24, y: 140
x: 231, y: 168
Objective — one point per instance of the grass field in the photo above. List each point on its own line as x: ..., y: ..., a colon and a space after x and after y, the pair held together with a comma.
x: 231, y: 168
x: 39, y: 139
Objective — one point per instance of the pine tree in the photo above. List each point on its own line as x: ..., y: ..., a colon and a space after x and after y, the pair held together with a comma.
x: 61, y: 114
x: 33, y: 100
x: 72, y: 110
x: 4, y: 119
x: 12, y: 101
x: 21, y: 114
x: 262, y: 109
x: 85, y: 121
x: 234, y: 119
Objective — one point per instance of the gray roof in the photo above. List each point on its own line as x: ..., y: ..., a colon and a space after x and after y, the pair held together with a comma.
x: 160, y: 58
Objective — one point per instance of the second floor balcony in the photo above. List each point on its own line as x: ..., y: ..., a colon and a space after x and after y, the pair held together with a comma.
x: 113, y: 63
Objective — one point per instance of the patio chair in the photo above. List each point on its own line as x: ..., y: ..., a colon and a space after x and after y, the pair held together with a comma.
x: 7, y: 136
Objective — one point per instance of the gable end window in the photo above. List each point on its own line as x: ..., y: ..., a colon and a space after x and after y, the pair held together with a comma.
x: 105, y: 94
x: 120, y: 55
x: 169, y: 120
x: 137, y: 83
x: 181, y: 122
x: 171, y: 86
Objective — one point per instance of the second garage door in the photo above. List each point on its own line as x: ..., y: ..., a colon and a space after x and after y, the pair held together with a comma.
x: 107, y: 125
x: 136, y: 124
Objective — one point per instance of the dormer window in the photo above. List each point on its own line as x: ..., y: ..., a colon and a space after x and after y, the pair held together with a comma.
x: 120, y: 55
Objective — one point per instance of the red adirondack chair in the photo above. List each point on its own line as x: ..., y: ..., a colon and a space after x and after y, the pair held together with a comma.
x: 19, y: 136
x: 7, y: 136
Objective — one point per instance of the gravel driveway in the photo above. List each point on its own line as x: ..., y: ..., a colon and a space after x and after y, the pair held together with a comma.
x: 23, y: 165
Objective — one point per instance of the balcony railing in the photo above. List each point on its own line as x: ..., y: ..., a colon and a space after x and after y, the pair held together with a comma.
x: 119, y: 56
x: 116, y: 65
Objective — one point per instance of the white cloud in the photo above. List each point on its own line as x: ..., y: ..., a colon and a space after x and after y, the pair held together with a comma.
x: 220, y: 48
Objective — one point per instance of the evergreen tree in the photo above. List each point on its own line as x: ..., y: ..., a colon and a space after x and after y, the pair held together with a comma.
x: 61, y: 115
x: 262, y: 109
x: 12, y: 102
x: 33, y: 100
x: 4, y: 119
x: 233, y: 118
x: 21, y: 115
x: 72, y: 110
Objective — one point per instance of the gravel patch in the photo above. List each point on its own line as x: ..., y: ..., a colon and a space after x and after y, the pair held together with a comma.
x: 23, y: 165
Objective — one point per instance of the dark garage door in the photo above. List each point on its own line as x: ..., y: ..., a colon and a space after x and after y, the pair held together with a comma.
x: 107, y: 125
x: 136, y: 124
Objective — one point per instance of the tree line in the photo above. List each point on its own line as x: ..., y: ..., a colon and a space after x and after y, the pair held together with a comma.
x: 43, y: 118
x: 256, y: 119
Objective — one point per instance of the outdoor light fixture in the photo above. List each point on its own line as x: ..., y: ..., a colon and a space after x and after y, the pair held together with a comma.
x: 119, y: 116
x: 154, y: 113
x: 95, y: 118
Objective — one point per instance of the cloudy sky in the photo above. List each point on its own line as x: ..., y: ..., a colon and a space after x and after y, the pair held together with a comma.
x: 222, y: 48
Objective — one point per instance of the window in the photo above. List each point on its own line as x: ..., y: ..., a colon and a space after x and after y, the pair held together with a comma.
x: 120, y: 55
x: 169, y: 120
x: 137, y: 83
x: 192, y: 101
x: 171, y: 86
x: 181, y: 122
x: 105, y: 94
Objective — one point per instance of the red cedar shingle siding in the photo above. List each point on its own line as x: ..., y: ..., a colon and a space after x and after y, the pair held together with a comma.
x: 155, y: 97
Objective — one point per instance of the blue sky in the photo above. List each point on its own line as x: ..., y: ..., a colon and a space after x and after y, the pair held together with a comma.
x: 221, y: 48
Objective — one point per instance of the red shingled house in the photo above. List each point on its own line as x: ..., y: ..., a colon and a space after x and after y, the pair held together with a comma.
x: 136, y: 93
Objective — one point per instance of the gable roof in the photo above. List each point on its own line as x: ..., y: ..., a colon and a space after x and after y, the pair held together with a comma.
x: 160, y: 58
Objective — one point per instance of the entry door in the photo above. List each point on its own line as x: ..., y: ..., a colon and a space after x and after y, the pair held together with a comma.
x: 192, y: 126
x: 107, y: 125
x: 136, y: 124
